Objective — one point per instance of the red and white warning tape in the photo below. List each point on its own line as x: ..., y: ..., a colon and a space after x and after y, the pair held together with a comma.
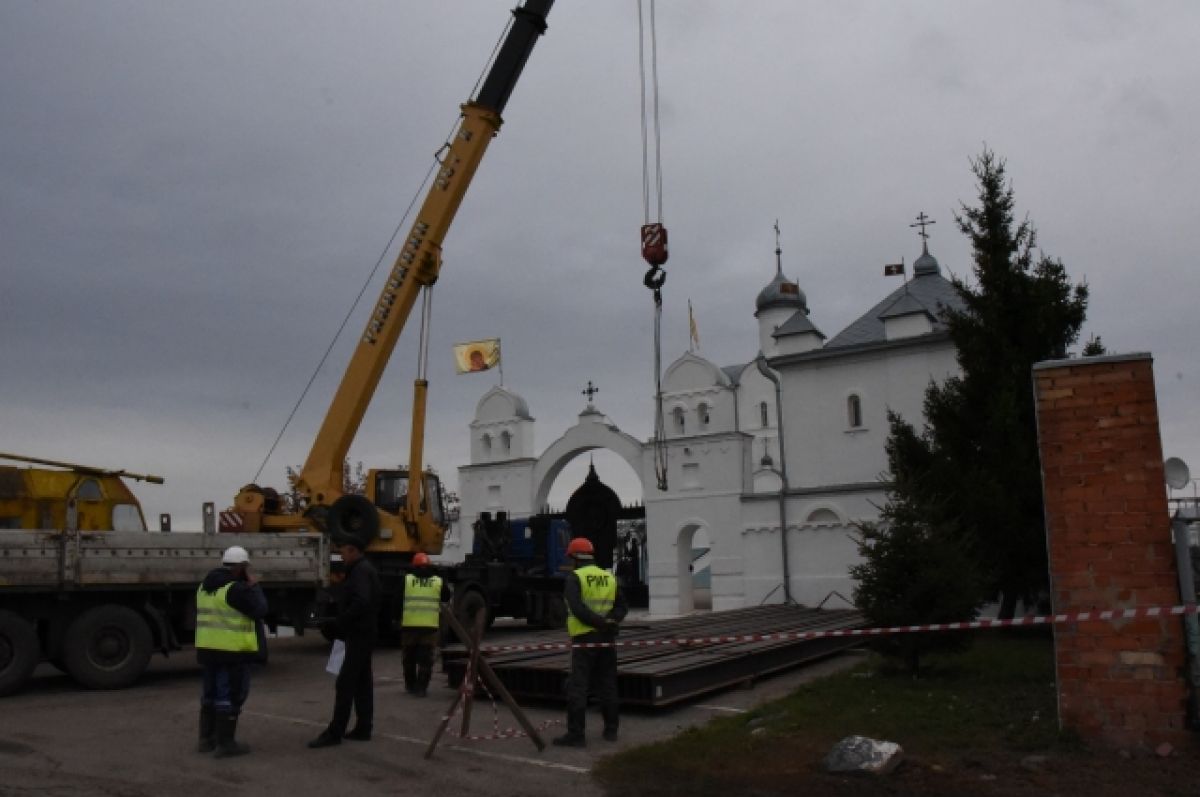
x: 1048, y: 619
x: 510, y: 732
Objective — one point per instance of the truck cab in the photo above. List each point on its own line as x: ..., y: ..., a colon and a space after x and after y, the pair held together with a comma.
x: 36, y: 498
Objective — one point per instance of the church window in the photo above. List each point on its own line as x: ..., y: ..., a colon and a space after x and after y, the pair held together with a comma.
x: 823, y: 517
x: 506, y: 441
x: 702, y: 411
x: 854, y: 411
x: 680, y: 426
x: 487, y: 443
x: 762, y: 415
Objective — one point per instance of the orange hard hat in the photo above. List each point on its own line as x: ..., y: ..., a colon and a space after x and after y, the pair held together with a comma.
x: 580, y: 548
x: 420, y: 559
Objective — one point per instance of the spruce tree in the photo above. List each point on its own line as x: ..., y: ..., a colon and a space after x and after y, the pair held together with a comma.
x: 973, y: 471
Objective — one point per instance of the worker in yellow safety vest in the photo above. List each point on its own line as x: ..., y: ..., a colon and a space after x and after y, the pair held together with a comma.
x: 595, y: 608
x: 424, y: 593
x: 230, y: 606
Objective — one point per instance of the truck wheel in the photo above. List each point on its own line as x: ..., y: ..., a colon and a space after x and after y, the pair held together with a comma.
x: 467, y: 605
x: 353, y: 516
x: 107, y: 647
x: 19, y: 651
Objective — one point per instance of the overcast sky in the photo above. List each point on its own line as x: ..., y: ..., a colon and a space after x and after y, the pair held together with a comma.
x: 192, y: 195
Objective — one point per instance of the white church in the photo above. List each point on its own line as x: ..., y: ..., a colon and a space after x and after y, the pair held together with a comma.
x: 738, y: 470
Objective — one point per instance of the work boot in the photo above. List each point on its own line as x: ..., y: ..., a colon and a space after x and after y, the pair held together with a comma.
x: 360, y: 733
x: 326, y: 739
x: 227, y: 745
x: 569, y: 739
x: 208, y: 730
x: 612, y: 719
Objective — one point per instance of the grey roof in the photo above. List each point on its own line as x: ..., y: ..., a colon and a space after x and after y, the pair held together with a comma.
x: 906, y: 304
x: 929, y: 291
x: 733, y: 372
x: 780, y: 292
x: 797, y: 325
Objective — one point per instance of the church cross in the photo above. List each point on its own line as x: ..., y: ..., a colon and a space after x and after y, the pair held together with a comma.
x: 923, y: 221
x: 590, y: 391
x: 778, y: 251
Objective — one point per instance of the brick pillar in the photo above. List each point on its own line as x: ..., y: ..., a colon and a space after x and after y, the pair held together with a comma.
x: 1109, y: 543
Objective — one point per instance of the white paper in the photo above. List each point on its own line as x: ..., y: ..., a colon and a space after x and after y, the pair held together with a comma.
x: 337, y: 654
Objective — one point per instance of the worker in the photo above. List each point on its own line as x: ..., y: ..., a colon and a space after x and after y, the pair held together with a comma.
x: 357, y: 624
x: 230, y: 606
x: 595, y: 608
x: 424, y: 592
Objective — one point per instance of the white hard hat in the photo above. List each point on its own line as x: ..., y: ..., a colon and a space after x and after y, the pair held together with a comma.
x: 235, y: 555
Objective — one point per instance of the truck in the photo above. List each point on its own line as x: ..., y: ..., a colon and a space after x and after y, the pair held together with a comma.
x: 515, y: 569
x: 86, y: 587
x: 402, y: 510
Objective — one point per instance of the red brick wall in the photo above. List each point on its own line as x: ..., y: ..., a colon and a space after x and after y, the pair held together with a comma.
x: 1109, y: 541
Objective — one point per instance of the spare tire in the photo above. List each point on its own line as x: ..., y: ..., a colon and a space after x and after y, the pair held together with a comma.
x: 353, y: 516
x: 20, y: 651
x: 107, y: 647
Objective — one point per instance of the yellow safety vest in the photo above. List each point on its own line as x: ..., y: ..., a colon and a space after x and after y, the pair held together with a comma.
x: 422, y: 597
x: 598, y: 589
x: 219, y: 626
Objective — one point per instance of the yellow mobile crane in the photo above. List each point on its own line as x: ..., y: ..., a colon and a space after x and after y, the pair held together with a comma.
x: 402, y: 512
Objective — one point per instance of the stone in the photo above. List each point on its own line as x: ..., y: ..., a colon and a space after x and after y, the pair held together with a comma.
x: 861, y: 754
x: 1034, y: 763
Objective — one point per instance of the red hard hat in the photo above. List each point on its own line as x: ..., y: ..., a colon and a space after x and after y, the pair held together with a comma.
x: 420, y: 560
x: 580, y: 547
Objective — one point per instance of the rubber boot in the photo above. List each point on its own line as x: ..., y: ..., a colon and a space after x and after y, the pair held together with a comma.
x: 424, y: 675
x: 208, y: 730
x: 611, y: 721
x: 574, y: 736
x: 410, y: 672
x: 227, y: 745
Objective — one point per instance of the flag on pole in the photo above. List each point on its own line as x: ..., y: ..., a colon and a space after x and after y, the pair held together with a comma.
x: 893, y: 270
x: 476, y: 355
x: 695, y: 333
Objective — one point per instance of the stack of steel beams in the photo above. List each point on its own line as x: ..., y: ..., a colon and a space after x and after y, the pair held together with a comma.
x: 662, y: 674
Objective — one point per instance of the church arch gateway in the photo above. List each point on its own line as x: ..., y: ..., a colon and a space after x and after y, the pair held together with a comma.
x: 587, y: 435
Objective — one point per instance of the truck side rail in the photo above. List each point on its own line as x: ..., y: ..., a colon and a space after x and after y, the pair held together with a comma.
x: 77, y: 560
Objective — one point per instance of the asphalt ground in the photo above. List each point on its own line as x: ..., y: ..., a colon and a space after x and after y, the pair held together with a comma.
x: 57, y: 739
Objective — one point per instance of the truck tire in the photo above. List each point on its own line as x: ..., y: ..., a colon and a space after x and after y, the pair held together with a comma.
x: 107, y: 647
x: 20, y: 651
x: 469, y: 603
x: 353, y: 516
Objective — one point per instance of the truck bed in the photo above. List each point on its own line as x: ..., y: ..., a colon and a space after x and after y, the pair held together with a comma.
x: 37, y: 560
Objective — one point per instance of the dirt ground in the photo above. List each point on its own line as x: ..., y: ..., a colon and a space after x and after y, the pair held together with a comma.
x: 975, y: 774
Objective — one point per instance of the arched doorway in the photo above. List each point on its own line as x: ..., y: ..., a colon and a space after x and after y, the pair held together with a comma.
x: 693, y: 568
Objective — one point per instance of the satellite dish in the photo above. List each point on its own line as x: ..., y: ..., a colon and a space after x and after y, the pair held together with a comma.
x: 1177, y: 473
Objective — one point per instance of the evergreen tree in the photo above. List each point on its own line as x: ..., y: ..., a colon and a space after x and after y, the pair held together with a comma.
x: 914, y: 572
x: 974, y: 470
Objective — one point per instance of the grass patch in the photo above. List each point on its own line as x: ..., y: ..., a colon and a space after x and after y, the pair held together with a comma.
x: 999, y: 695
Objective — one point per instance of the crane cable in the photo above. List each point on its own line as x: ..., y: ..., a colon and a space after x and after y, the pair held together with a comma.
x: 654, y: 234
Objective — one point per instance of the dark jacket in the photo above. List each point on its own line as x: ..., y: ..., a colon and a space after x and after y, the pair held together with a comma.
x: 250, y: 601
x: 358, y: 610
x: 573, y: 595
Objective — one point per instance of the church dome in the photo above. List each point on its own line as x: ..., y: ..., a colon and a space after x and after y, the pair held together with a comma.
x: 781, y: 292
x: 925, y: 264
